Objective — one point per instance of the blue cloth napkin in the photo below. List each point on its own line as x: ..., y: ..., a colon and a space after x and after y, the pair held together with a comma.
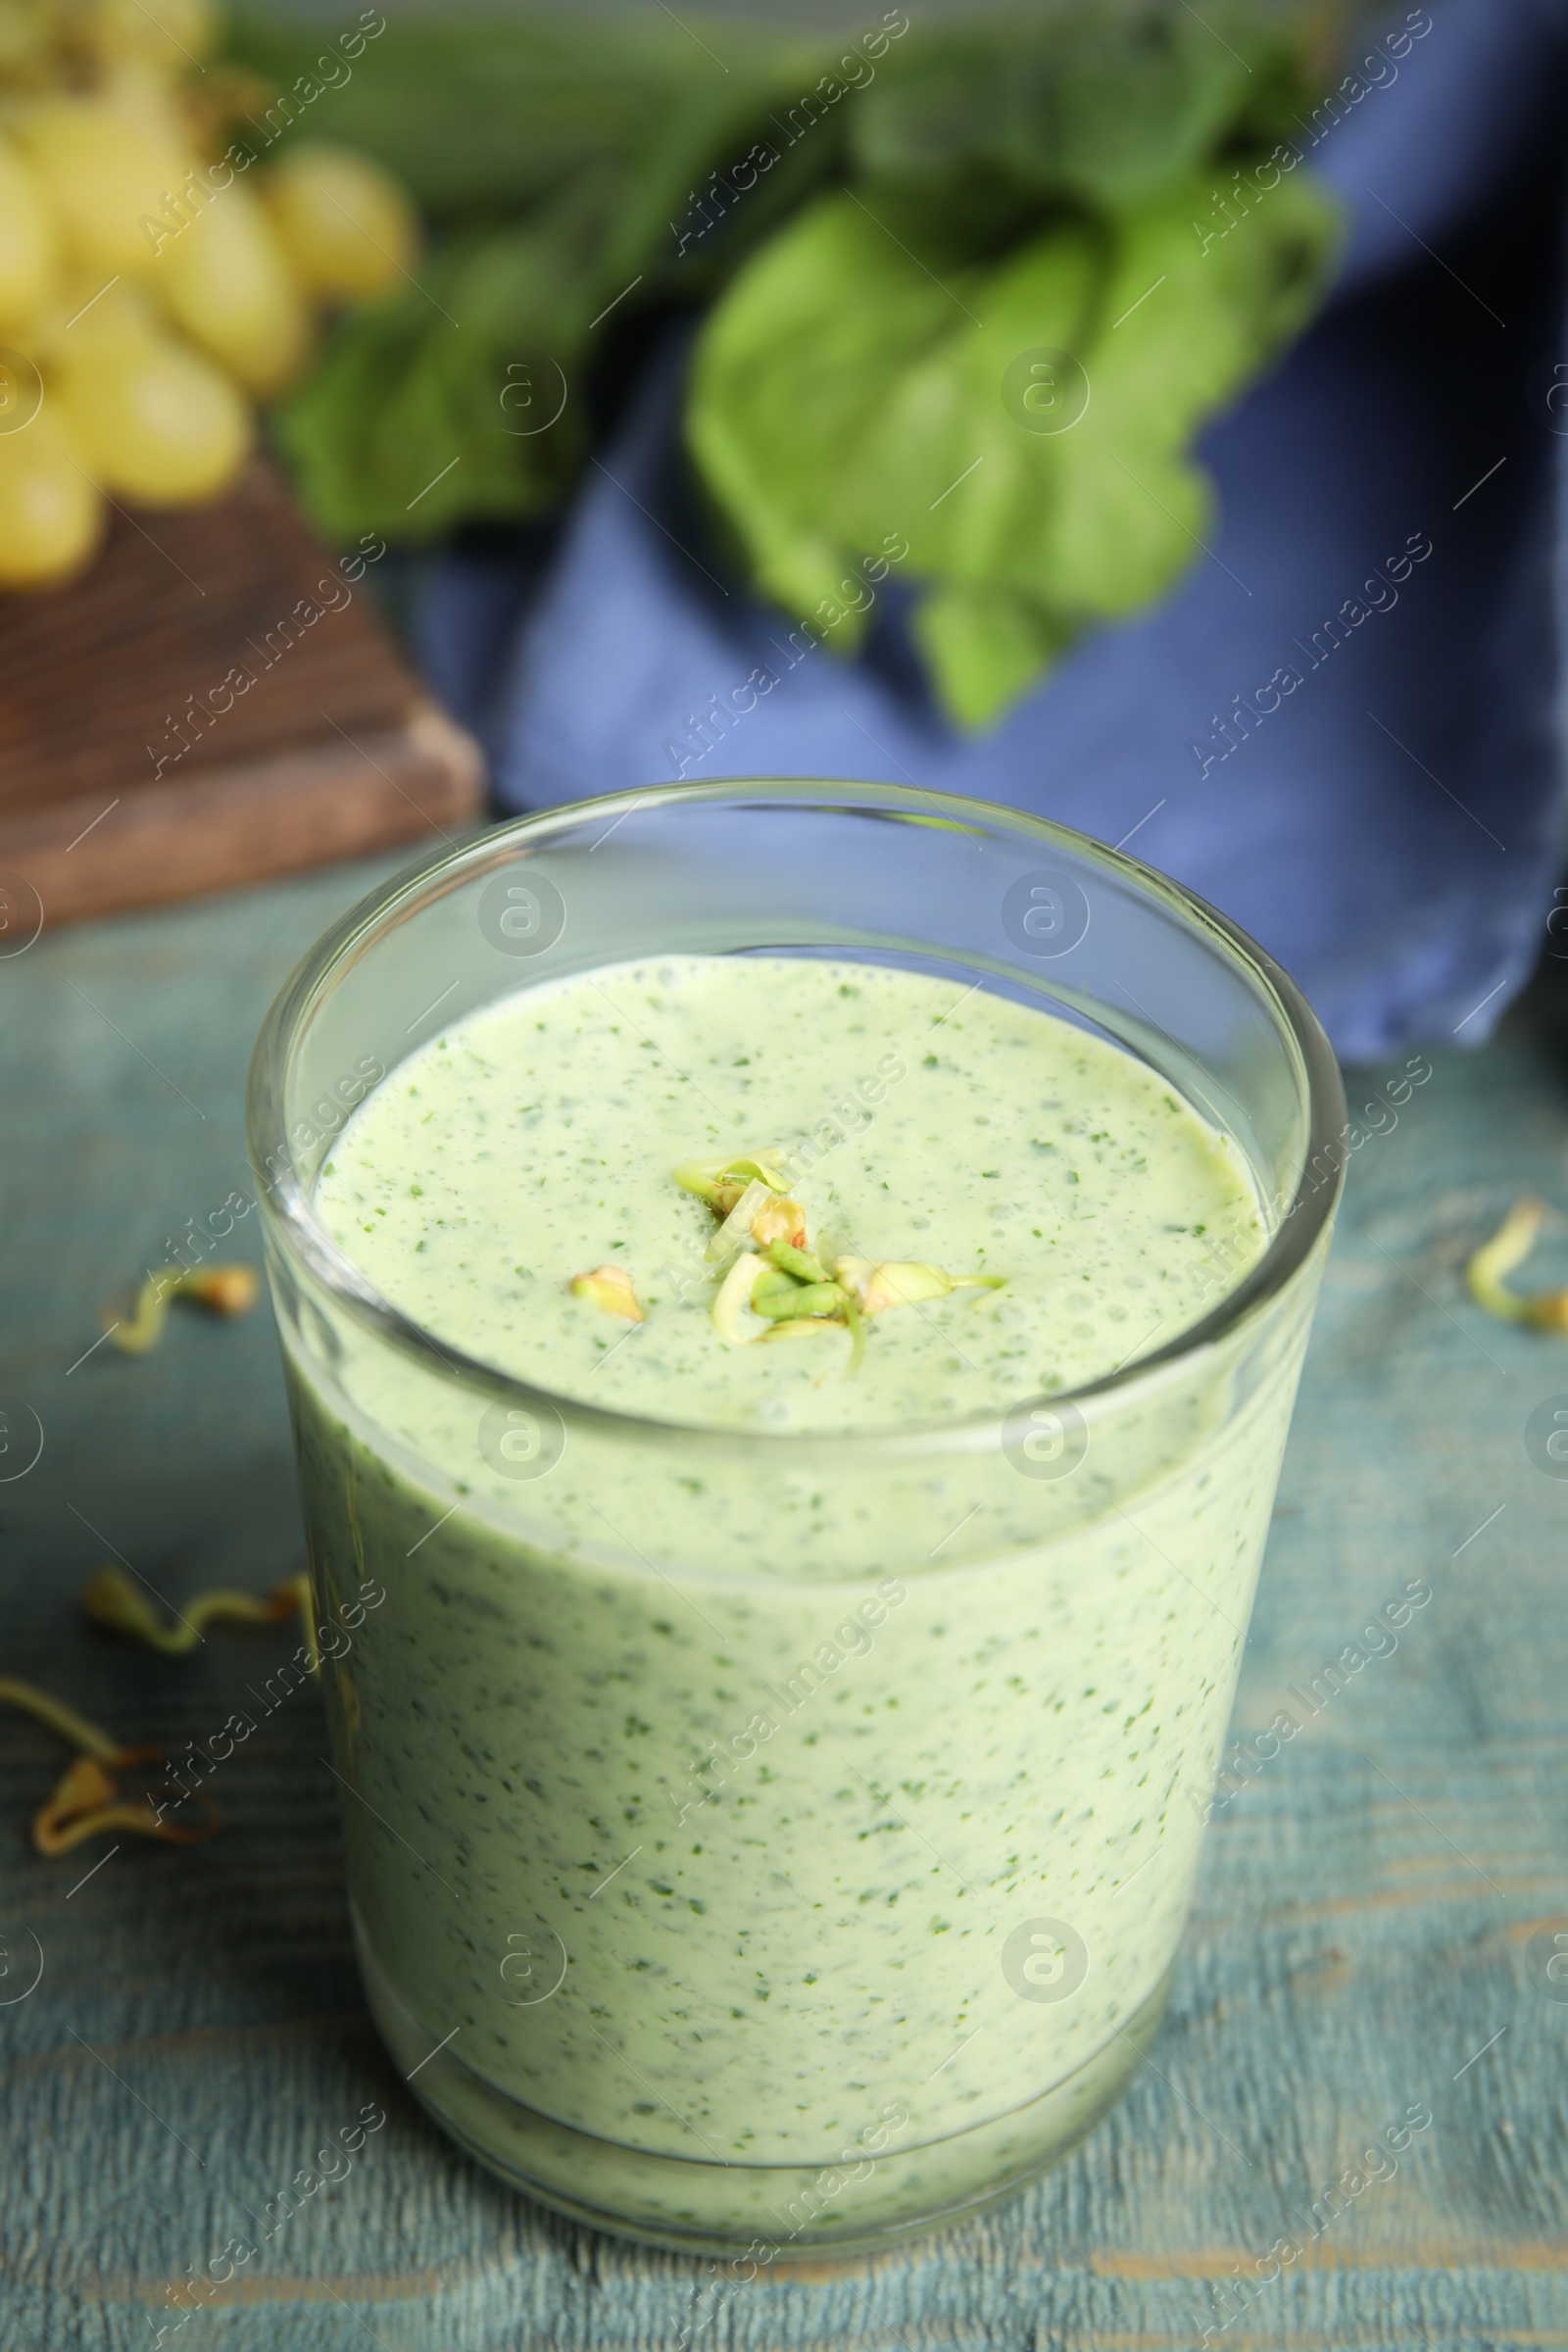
x: 1342, y: 727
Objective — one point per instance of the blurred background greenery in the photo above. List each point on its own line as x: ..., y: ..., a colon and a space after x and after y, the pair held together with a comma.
x: 866, y: 219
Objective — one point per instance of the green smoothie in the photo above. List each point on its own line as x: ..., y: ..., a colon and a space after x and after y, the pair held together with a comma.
x: 745, y: 1773
x: 919, y: 1122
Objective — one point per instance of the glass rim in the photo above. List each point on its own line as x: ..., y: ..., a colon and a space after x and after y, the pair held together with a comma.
x: 397, y: 899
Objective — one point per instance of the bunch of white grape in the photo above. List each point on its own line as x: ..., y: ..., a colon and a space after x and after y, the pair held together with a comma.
x: 150, y: 289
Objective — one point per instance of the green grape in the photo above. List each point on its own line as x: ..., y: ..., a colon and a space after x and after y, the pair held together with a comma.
x: 154, y: 421
x: 345, y: 225
x: 30, y: 250
x: 105, y: 173
x: 171, y: 33
x: 51, y: 516
x: 227, y: 282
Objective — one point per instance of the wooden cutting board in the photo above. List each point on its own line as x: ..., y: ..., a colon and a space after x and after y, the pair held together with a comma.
x: 215, y: 701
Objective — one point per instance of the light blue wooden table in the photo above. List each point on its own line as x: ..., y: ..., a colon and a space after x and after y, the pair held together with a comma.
x: 1368, y: 1925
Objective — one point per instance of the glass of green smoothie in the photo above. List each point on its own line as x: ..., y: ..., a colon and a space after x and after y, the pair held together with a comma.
x: 791, y: 1295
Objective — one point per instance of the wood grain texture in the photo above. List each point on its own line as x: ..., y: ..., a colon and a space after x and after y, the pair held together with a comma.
x: 1363, y: 1936
x: 215, y: 701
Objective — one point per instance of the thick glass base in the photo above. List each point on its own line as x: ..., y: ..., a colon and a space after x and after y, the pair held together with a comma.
x: 769, y: 2213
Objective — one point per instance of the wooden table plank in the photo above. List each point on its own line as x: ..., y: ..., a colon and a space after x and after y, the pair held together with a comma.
x: 1362, y: 1937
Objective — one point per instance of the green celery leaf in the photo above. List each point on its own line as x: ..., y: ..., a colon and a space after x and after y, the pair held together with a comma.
x: 793, y: 372
x: 1106, y: 103
x: 410, y: 386
x: 851, y: 389
x: 484, y: 115
x: 985, y: 646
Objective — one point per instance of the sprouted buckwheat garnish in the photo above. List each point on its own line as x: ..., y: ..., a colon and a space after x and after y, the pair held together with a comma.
x: 721, y: 1182
x: 111, y: 1599
x: 608, y: 1288
x: 86, y: 1802
x: 225, y: 1291
x: 777, y: 1287
x: 1510, y: 1246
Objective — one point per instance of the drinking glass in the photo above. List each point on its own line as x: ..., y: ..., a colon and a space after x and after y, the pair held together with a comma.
x: 761, y: 1842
